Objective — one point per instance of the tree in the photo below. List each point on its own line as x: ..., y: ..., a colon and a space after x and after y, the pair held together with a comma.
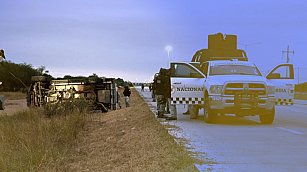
x: 14, y: 75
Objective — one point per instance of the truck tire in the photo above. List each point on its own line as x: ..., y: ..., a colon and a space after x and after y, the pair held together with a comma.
x: 268, y: 118
x: 194, y: 112
x: 39, y: 78
x: 209, y: 114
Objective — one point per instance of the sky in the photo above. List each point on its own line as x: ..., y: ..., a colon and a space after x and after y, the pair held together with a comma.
x: 127, y: 38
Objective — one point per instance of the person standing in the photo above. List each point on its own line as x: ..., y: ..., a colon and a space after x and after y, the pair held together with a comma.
x: 159, y: 94
x: 127, y: 93
x: 170, y: 108
x: 142, y: 87
x: 162, y: 91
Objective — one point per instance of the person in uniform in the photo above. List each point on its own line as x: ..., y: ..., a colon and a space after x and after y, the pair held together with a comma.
x: 163, y: 94
x: 171, y: 108
x: 160, y: 92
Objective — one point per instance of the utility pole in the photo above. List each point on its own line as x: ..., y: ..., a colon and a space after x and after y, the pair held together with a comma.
x: 288, y: 52
x: 288, y: 58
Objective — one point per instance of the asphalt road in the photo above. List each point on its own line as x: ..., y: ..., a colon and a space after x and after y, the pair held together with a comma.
x: 243, y: 144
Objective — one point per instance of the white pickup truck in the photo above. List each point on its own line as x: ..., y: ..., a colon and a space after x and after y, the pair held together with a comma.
x: 231, y: 87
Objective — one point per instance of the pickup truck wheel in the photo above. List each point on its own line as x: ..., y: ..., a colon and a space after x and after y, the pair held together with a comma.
x: 194, y: 112
x: 268, y: 118
x: 209, y: 114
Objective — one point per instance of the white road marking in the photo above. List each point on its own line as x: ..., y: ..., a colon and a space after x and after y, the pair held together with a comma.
x: 289, y: 130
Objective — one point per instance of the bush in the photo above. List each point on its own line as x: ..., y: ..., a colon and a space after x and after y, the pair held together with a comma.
x: 66, y: 107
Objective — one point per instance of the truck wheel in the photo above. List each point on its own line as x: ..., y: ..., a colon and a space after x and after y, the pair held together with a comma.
x: 209, y: 114
x: 268, y: 118
x: 39, y: 78
x: 194, y: 112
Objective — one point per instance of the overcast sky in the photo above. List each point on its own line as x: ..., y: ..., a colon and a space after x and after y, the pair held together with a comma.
x: 127, y: 38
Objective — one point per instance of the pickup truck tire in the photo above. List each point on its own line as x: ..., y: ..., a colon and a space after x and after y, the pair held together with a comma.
x: 209, y: 114
x: 268, y: 118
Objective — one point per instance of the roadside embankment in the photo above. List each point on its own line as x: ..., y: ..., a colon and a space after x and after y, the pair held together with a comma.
x: 65, y: 138
x: 129, y: 139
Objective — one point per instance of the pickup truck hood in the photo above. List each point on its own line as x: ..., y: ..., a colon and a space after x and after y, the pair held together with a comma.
x: 222, y: 79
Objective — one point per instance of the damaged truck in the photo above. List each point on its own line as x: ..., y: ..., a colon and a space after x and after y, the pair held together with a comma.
x: 99, y: 93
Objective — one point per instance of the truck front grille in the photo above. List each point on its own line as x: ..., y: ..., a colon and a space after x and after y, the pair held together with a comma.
x: 245, y: 88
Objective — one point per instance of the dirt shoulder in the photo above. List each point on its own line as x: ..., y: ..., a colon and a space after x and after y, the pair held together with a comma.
x: 129, y: 139
x: 14, y: 102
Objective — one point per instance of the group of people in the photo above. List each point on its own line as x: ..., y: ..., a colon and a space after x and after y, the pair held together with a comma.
x: 161, y: 91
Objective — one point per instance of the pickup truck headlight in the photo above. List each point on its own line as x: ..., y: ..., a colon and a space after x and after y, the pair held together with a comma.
x: 270, y: 90
x: 216, y: 89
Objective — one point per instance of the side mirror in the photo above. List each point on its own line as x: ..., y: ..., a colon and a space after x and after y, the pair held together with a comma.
x: 273, y: 76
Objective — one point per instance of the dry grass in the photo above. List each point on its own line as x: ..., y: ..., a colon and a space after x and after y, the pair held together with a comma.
x: 30, y: 141
x: 13, y: 95
x: 130, y: 139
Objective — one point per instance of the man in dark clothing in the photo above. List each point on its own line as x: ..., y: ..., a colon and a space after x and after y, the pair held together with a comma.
x: 162, y: 90
x: 142, y: 87
x: 127, y: 93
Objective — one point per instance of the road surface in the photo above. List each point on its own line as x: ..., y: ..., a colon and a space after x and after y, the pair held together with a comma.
x: 243, y: 144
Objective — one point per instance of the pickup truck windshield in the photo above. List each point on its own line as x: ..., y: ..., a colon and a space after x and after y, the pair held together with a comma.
x: 234, y: 70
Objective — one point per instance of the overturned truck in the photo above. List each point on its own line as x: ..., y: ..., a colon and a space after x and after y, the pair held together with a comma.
x: 100, y: 93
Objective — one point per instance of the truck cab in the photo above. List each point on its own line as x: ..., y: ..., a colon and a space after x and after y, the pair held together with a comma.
x: 231, y: 87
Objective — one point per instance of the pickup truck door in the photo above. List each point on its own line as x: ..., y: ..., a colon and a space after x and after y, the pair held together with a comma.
x: 187, y: 84
x: 282, y: 76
